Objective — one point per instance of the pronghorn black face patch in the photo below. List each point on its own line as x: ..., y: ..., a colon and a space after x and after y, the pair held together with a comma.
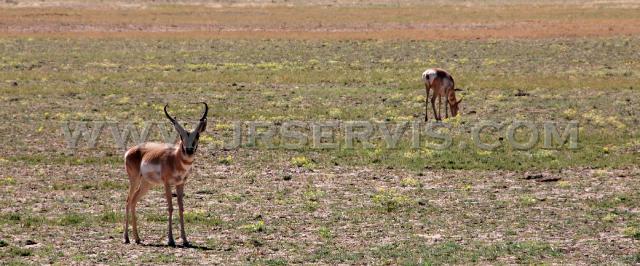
x: 190, y: 142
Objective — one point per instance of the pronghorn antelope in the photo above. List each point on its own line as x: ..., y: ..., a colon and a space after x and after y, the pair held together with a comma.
x: 150, y: 164
x: 442, y: 84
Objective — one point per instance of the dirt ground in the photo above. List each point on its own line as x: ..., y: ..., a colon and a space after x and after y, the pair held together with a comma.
x: 77, y: 62
x: 443, y: 20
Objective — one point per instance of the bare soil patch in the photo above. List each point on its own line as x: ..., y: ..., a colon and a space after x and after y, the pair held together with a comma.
x: 437, y: 21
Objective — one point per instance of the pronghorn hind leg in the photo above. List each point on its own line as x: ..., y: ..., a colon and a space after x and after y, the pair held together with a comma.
x: 426, y: 105
x: 433, y: 106
x: 142, y: 189
x: 439, y: 108
x: 134, y: 183
x: 168, y: 195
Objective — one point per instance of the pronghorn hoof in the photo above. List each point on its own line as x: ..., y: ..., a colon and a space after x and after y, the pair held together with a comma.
x: 126, y: 241
x: 138, y: 241
x: 171, y: 243
x: 186, y: 244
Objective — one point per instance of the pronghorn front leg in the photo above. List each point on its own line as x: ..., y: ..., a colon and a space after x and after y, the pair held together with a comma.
x: 433, y: 106
x: 446, y: 105
x: 168, y: 196
x: 183, y: 235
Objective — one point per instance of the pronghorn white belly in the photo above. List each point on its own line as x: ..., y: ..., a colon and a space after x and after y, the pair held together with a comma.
x: 151, y: 172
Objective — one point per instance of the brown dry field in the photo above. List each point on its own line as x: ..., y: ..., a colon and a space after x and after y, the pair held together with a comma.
x: 76, y: 61
x: 438, y: 21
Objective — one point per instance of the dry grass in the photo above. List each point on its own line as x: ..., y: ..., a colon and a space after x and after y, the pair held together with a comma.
x: 361, y: 206
x: 442, y: 21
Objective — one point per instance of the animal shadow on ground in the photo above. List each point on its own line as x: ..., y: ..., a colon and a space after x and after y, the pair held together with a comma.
x: 191, y: 246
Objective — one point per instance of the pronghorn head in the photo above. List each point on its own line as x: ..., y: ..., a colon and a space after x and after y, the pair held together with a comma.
x: 189, y: 142
x: 454, y: 106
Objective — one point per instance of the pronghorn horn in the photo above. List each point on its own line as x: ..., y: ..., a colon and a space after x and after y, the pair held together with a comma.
x: 206, y: 110
x: 203, y: 120
x: 461, y: 97
x: 173, y: 121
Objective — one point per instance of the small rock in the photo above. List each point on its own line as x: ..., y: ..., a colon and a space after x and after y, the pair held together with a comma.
x: 287, y: 177
x: 30, y: 242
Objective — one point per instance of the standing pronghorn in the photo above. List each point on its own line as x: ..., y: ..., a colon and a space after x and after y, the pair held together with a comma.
x: 442, y: 84
x: 151, y: 164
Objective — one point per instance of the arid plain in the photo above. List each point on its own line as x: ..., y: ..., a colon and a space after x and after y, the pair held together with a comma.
x: 65, y: 63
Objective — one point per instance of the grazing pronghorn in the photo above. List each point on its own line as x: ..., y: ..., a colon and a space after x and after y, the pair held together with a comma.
x: 442, y: 84
x: 151, y: 164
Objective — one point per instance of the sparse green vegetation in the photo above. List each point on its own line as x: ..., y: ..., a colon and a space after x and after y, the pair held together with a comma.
x: 7, y: 181
x: 256, y: 227
x: 227, y: 160
x: 390, y: 199
x: 278, y: 205
x: 301, y: 161
x: 201, y: 217
x: 311, y: 197
x: 275, y: 262
x: 159, y: 258
x: 632, y: 232
x: 325, y: 233
x: 24, y: 221
x: 410, y: 182
x: 16, y: 251
x: 72, y: 219
x: 111, y: 216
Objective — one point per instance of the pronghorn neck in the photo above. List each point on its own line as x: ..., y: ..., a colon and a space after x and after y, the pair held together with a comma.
x: 181, y: 156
